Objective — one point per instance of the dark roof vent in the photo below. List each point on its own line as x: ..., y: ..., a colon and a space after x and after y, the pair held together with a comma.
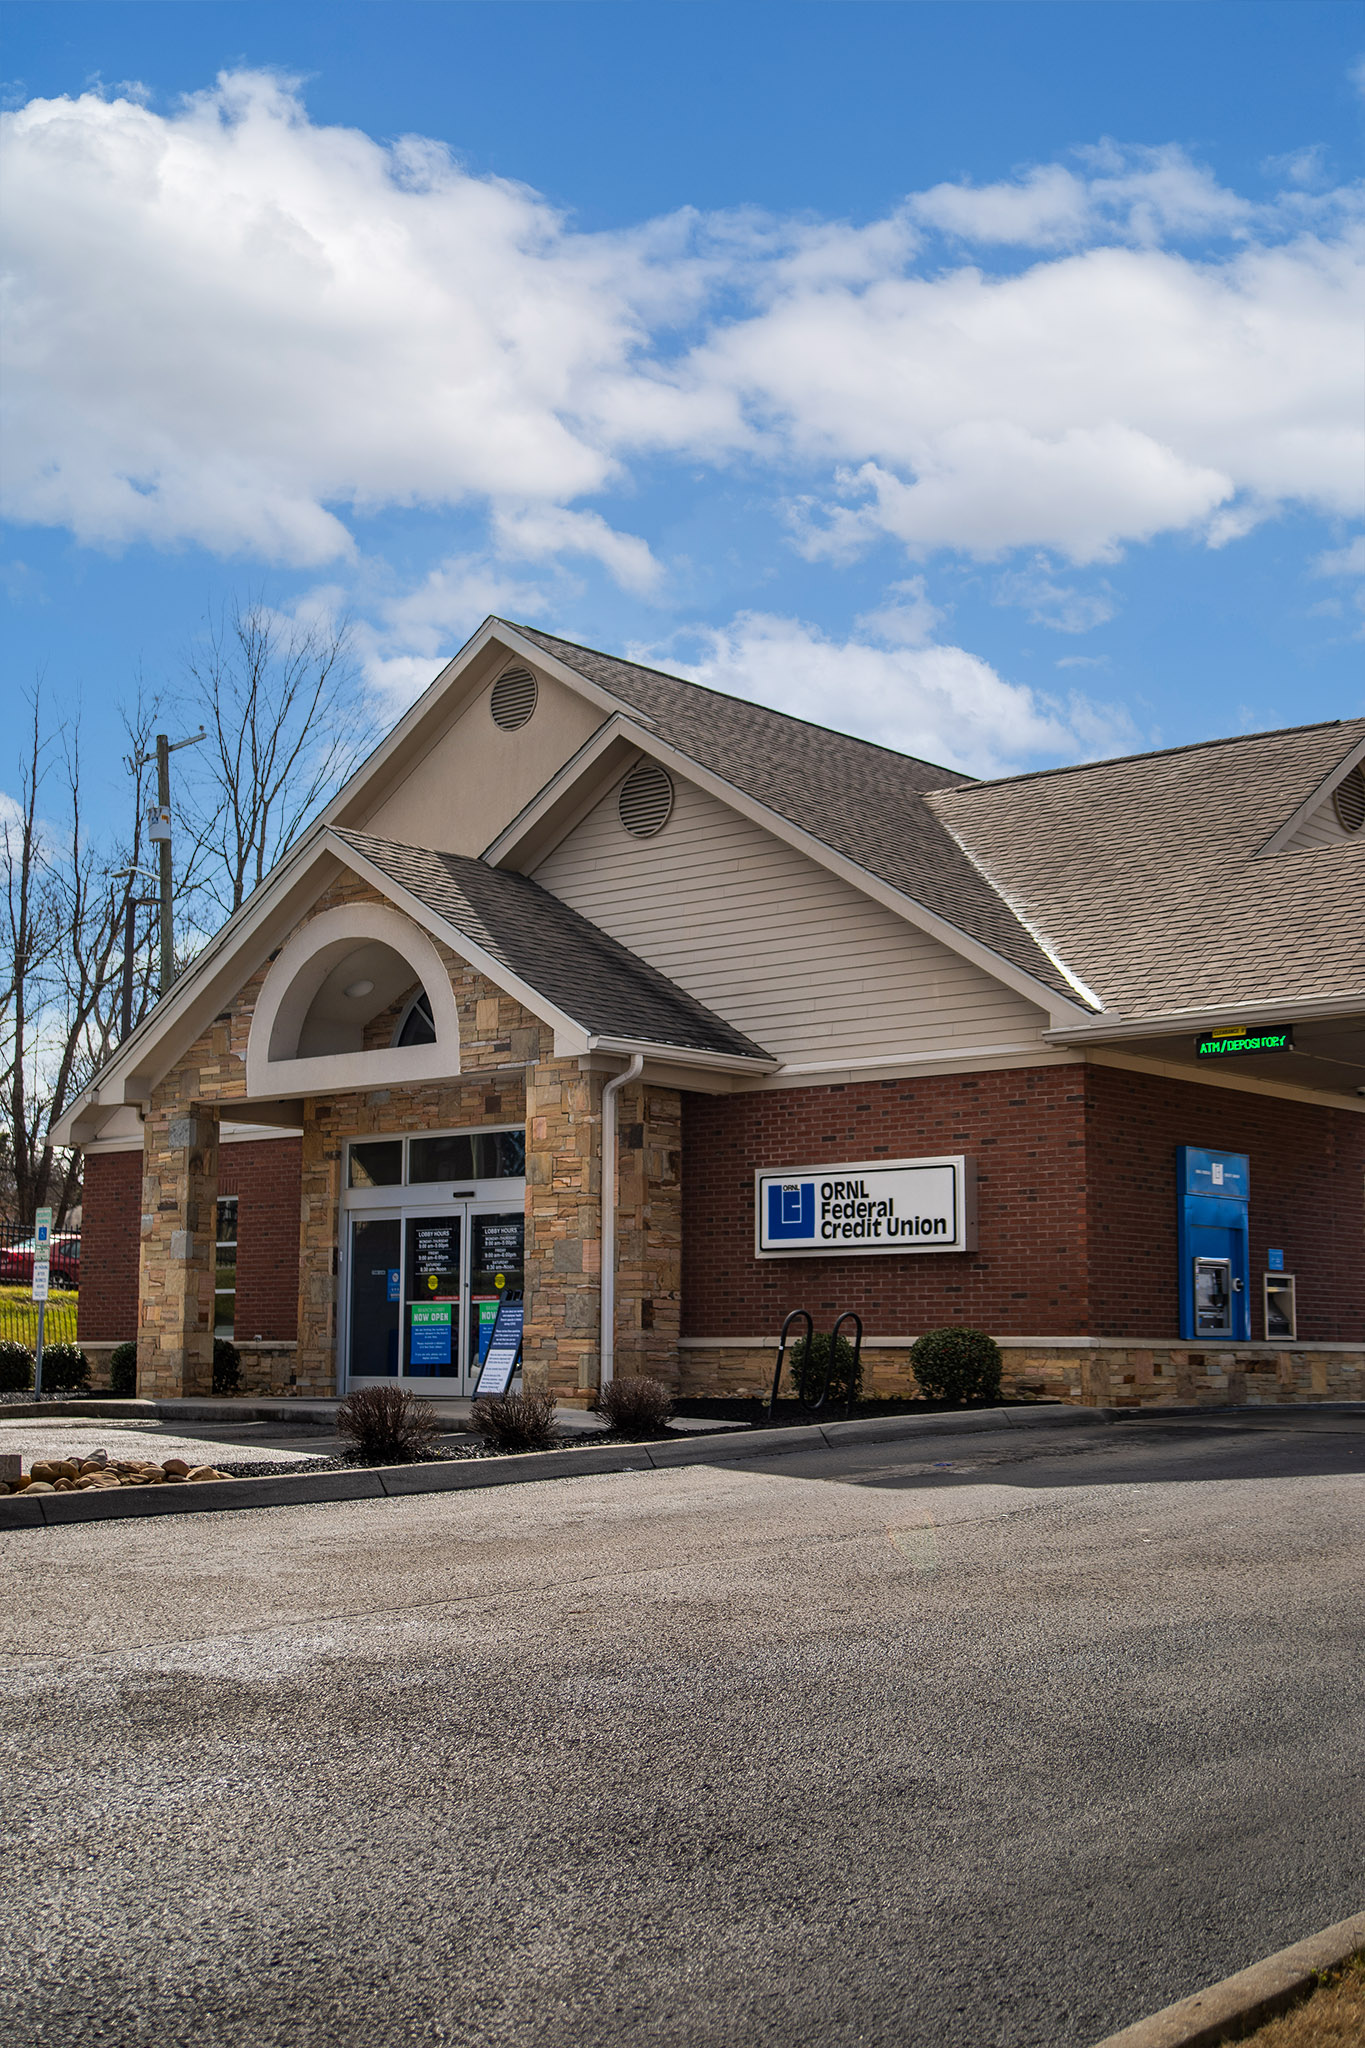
x: 646, y: 799
x: 1348, y: 800
x: 513, y: 699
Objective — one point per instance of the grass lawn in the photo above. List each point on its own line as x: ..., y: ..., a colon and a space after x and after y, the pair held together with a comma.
x: 1333, y: 2016
x: 19, y: 1316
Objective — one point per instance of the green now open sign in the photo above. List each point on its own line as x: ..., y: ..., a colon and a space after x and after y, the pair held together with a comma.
x: 1247, y: 1038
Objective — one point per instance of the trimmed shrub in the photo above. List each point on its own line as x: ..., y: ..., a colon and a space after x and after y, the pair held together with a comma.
x: 388, y: 1425
x: 123, y: 1371
x: 66, y: 1369
x: 957, y: 1365
x: 635, y: 1406
x: 806, y: 1364
x: 516, y: 1422
x: 227, y: 1366
x: 16, y: 1366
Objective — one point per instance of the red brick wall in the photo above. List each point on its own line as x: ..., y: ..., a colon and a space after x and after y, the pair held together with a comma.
x: 1307, y: 1196
x: 1027, y: 1131
x: 264, y: 1176
x: 111, y: 1208
x: 1076, y: 1203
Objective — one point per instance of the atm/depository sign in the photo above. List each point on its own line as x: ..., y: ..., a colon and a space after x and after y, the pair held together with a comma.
x: 880, y: 1205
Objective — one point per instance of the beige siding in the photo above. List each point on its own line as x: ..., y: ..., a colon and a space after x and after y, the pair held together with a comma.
x: 1321, y: 827
x: 796, y: 957
x: 475, y: 779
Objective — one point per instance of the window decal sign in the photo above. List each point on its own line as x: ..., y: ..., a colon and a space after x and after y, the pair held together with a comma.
x: 879, y: 1205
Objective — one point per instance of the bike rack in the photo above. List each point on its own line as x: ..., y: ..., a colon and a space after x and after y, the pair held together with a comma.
x: 802, y: 1315
x: 798, y: 1315
x: 848, y: 1316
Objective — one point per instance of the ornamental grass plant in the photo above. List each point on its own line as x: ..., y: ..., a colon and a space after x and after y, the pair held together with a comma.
x: 388, y: 1426
x: 516, y: 1422
x: 635, y: 1405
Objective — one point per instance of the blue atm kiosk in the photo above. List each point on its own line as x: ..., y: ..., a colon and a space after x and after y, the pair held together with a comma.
x: 1215, y: 1257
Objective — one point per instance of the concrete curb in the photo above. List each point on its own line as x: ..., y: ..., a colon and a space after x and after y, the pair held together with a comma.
x: 379, y: 1482
x: 1228, y: 2011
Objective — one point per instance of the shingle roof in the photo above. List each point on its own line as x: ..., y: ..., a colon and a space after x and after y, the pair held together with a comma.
x: 1141, y: 876
x: 577, y: 967
x: 864, y: 801
x: 1146, y: 876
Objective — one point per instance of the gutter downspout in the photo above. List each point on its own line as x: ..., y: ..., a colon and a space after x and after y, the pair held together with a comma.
x: 607, y: 1347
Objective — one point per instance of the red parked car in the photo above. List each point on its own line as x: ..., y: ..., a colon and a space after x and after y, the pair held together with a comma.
x: 64, y: 1268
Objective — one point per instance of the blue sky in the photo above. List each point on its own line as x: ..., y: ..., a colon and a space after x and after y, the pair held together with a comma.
x: 984, y: 379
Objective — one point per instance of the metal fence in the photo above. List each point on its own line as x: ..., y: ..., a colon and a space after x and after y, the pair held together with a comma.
x: 19, y: 1318
x: 18, y: 1311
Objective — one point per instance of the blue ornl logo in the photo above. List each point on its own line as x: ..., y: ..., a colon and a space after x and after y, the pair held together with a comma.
x: 791, y: 1209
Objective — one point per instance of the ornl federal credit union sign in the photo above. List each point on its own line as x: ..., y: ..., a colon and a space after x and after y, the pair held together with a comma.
x: 882, y: 1205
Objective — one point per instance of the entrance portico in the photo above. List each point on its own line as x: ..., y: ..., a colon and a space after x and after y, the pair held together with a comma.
x: 438, y: 1177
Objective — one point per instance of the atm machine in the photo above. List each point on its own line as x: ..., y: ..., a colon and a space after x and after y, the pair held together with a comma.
x: 1214, y: 1249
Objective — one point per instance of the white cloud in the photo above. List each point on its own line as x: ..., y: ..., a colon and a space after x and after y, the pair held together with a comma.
x: 938, y: 702
x: 1347, y: 561
x: 230, y: 324
x: 1094, y: 400
x: 234, y: 327
x: 1138, y: 194
x: 535, y: 533
x: 1049, y: 603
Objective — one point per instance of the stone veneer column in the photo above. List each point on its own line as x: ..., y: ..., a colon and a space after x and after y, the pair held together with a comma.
x: 649, y: 1233
x: 179, y: 1250
x: 563, y: 1229
x: 316, y: 1364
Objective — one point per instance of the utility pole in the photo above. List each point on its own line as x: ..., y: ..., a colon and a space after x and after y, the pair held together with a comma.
x: 131, y: 906
x: 159, y: 832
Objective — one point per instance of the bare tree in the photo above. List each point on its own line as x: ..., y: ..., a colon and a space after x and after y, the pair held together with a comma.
x: 30, y: 940
x: 284, y: 717
x: 282, y: 708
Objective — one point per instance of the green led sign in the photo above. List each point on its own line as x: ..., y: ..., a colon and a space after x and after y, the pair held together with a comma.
x: 1231, y: 1045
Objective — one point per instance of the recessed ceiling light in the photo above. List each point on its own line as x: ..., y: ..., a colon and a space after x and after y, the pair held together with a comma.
x: 360, y: 988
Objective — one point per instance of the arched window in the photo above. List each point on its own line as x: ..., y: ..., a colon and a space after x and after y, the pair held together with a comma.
x: 416, y: 1026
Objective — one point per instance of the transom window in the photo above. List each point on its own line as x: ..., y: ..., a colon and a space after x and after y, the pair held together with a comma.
x: 437, y: 1156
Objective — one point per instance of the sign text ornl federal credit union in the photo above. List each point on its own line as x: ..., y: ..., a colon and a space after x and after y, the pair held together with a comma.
x: 896, y: 1205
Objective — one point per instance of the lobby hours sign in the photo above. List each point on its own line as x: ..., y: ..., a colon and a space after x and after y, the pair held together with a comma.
x: 881, y: 1205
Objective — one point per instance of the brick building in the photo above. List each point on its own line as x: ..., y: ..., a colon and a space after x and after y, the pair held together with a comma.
x: 630, y: 1000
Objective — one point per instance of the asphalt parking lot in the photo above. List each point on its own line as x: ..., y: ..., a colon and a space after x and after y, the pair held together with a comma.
x: 944, y: 1743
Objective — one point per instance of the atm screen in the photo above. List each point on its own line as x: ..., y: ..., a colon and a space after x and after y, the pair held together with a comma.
x: 1213, y: 1297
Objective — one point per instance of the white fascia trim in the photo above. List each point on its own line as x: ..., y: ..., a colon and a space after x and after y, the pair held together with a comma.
x: 1169, y: 1023
x: 1057, y: 1007
x: 686, y: 1056
x: 914, y: 1059
x: 1282, y: 834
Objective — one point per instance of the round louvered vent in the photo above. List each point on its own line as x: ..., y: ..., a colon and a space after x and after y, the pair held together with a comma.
x: 513, y: 699
x: 1348, y: 800
x: 646, y: 799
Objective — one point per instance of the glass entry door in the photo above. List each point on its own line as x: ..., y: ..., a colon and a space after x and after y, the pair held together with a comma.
x: 424, y: 1290
x: 375, y: 1294
x: 496, y: 1261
